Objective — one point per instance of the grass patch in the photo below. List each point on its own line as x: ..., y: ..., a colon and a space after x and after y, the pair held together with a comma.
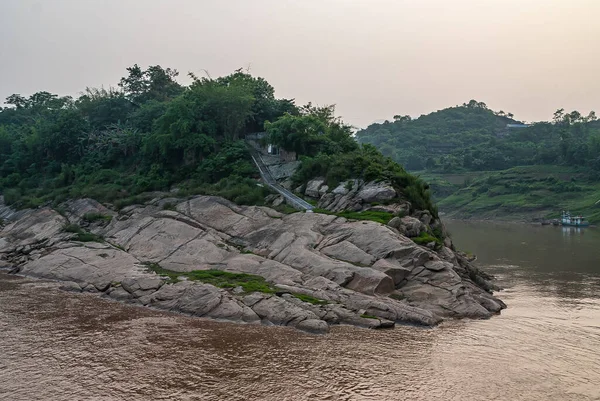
x: 426, y: 238
x: 285, y: 209
x: 88, y: 237
x: 397, y: 297
x: 218, y: 278
x: 309, y: 299
x: 369, y: 316
x: 94, y: 216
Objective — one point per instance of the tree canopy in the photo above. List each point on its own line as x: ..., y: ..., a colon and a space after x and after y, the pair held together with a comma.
x: 472, y: 137
x: 153, y: 134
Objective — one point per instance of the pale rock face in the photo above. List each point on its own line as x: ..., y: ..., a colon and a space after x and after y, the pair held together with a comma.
x: 392, y: 269
x: 348, y: 252
x: 350, y: 268
x: 377, y: 192
x: 76, y: 209
x: 315, y: 326
x: 38, y: 226
x: 313, y: 188
x: 409, y: 226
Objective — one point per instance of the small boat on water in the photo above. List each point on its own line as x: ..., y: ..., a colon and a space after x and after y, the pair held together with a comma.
x: 572, y: 221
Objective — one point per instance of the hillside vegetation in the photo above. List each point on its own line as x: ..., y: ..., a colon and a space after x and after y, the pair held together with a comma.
x: 153, y: 134
x: 472, y: 137
x: 478, y: 167
x: 529, y: 192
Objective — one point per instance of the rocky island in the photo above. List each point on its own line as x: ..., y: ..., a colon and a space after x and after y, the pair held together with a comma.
x: 149, y: 195
x: 318, y: 269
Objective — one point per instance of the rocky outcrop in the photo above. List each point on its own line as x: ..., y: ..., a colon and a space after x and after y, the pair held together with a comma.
x: 321, y: 269
x: 355, y: 195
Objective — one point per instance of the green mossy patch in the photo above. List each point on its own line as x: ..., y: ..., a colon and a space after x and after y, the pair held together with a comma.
x: 218, y: 278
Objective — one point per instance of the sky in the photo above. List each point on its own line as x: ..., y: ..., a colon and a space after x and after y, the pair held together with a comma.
x: 372, y: 58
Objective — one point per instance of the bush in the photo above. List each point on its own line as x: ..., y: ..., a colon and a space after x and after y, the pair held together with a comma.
x: 426, y: 238
x: 370, y: 165
x: 93, y: 217
x: 11, y: 196
x: 81, y: 235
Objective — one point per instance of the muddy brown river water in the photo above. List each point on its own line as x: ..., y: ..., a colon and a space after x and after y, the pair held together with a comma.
x: 545, y: 346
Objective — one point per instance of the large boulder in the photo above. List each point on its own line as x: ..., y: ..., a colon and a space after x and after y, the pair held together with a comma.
x: 92, y: 263
x: 408, y: 226
x: 377, y: 192
x: 313, y: 188
x: 348, y: 252
x: 35, y: 228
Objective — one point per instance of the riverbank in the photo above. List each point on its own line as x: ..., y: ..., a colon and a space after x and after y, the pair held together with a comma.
x: 206, y: 256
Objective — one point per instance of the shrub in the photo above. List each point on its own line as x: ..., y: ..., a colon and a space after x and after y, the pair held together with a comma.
x: 95, y: 216
x: 11, y: 196
x: 168, y: 206
x: 81, y: 235
x: 426, y: 238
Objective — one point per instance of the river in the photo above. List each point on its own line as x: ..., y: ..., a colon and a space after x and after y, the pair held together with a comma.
x: 545, y: 346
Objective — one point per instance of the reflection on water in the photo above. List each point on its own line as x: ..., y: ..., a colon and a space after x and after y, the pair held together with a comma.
x: 546, y: 346
x: 557, y: 260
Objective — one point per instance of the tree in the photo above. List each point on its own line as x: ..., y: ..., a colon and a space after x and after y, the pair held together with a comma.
x: 402, y: 119
x: 155, y: 83
x: 315, y: 130
x: 558, y: 116
x: 104, y: 107
x: 17, y: 100
x: 474, y: 104
x: 591, y: 116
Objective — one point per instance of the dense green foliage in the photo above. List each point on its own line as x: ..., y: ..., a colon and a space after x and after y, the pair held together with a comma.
x: 150, y: 134
x: 549, y: 166
x: 474, y: 138
x: 327, y: 149
x: 423, y: 142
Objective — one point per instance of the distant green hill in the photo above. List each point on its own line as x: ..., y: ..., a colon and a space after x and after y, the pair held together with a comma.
x: 478, y: 167
x: 474, y: 138
x: 422, y: 142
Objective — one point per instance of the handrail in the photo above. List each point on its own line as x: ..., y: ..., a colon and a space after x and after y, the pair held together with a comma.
x: 294, y: 201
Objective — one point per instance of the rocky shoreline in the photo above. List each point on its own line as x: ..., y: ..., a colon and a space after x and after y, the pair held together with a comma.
x: 318, y: 269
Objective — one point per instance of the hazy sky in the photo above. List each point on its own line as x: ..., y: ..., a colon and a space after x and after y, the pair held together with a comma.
x: 373, y: 58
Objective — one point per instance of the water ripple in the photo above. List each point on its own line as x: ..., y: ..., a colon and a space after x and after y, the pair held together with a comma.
x: 57, y: 346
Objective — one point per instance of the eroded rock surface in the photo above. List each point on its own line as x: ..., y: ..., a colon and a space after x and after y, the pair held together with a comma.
x: 323, y: 269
